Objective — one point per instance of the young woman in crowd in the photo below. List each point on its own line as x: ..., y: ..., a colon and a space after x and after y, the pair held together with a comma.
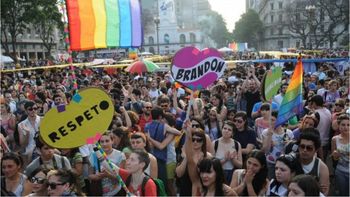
x: 97, y: 173
x: 341, y: 153
x: 308, y: 121
x: 286, y: 168
x: 38, y: 178
x: 138, y: 141
x: 13, y: 181
x: 274, y: 142
x: 76, y: 161
x: 208, y: 179
x: 262, y: 122
x: 251, y: 181
x: 217, y: 101
x: 228, y: 151
x: 199, y: 151
x: 63, y: 183
x: 304, y: 185
x: 213, y: 124
x: 8, y: 124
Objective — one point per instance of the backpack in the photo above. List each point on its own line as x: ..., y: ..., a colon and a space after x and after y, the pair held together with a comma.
x: 216, y: 145
x: 159, y: 184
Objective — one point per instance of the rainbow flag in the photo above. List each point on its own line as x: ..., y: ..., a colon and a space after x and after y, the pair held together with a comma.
x: 292, y: 103
x: 97, y: 24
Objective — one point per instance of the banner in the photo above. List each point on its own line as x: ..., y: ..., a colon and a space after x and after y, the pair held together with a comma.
x: 80, y: 122
x: 197, y: 69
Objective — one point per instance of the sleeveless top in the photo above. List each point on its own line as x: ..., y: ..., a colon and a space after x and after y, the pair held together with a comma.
x: 20, y: 187
x: 313, y: 168
x: 344, y: 150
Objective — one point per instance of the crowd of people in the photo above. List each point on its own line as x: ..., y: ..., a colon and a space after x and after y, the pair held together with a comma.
x: 226, y: 146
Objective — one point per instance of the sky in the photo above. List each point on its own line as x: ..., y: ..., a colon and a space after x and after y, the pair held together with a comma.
x: 231, y: 10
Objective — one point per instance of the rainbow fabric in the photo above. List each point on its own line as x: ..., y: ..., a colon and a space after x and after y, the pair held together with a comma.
x: 292, y: 103
x: 97, y: 24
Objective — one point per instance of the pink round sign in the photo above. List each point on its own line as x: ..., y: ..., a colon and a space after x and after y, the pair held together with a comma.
x: 197, y: 69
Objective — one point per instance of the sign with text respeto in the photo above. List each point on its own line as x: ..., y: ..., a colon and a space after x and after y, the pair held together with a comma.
x: 197, y: 69
x: 82, y: 121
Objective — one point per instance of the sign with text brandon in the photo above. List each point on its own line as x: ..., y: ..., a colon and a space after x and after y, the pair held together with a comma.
x: 82, y: 121
x: 197, y: 69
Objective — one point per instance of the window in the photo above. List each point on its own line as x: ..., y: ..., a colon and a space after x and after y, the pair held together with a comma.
x: 151, y: 50
x: 271, y: 6
x: 182, y: 39
x: 297, y: 44
x: 150, y: 40
x: 166, y: 38
x: 271, y: 32
x: 280, y: 17
x: 280, y: 44
x: 192, y: 37
x: 280, y: 31
x: 271, y: 17
x: 280, y: 5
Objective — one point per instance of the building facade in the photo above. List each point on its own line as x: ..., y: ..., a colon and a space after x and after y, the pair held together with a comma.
x: 281, y: 19
x: 177, y: 24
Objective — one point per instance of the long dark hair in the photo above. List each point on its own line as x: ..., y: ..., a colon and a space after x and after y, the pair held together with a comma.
x: 205, y: 165
x: 201, y: 134
x: 259, y: 180
x: 308, y: 184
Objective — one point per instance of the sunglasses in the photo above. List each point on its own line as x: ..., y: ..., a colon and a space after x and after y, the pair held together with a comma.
x: 339, y: 105
x: 198, y: 140
x: 32, y: 108
x: 239, y: 121
x: 196, y: 126
x: 148, y: 107
x: 308, y: 148
x: 163, y: 105
x: 54, y: 185
x: 37, y: 180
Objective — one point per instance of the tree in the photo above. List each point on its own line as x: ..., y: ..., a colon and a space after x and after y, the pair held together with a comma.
x: 327, y: 21
x: 45, y: 15
x: 147, y: 21
x: 248, y: 29
x: 13, y: 18
x: 214, y: 26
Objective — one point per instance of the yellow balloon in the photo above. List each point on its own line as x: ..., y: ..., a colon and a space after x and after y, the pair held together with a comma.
x: 82, y: 121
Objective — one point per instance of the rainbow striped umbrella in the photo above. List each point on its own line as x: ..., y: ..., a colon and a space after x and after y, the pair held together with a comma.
x: 142, y: 66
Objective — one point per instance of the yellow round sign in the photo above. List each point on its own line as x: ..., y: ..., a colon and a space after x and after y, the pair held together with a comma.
x: 82, y: 121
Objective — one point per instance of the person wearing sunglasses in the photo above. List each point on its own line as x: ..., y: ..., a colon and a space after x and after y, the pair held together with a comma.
x: 145, y: 117
x: 208, y: 179
x: 287, y: 166
x: 309, y: 142
x: 38, y: 179
x: 244, y: 134
x: 13, y: 182
x: 339, y: 108
x: 63, y: 183
x: 340, y: 153
x: 27, y: 129
x: 199, y: 151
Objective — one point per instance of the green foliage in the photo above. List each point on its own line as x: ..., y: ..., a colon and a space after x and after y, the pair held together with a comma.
x: 44, y: 14
x: 214, y: 26
x: 12, y: 24
x: 248, y: 29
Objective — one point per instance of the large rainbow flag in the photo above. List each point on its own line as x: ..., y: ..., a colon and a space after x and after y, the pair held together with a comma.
x: 292, y: 103
x: 97, y: 24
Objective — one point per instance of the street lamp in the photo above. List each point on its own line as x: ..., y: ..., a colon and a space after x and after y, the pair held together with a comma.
x: 157, y: 21
x: 311, y: 9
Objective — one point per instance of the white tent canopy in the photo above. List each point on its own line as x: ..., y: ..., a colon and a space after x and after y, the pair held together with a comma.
x: 225, y: 49
x: 5, y: 59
